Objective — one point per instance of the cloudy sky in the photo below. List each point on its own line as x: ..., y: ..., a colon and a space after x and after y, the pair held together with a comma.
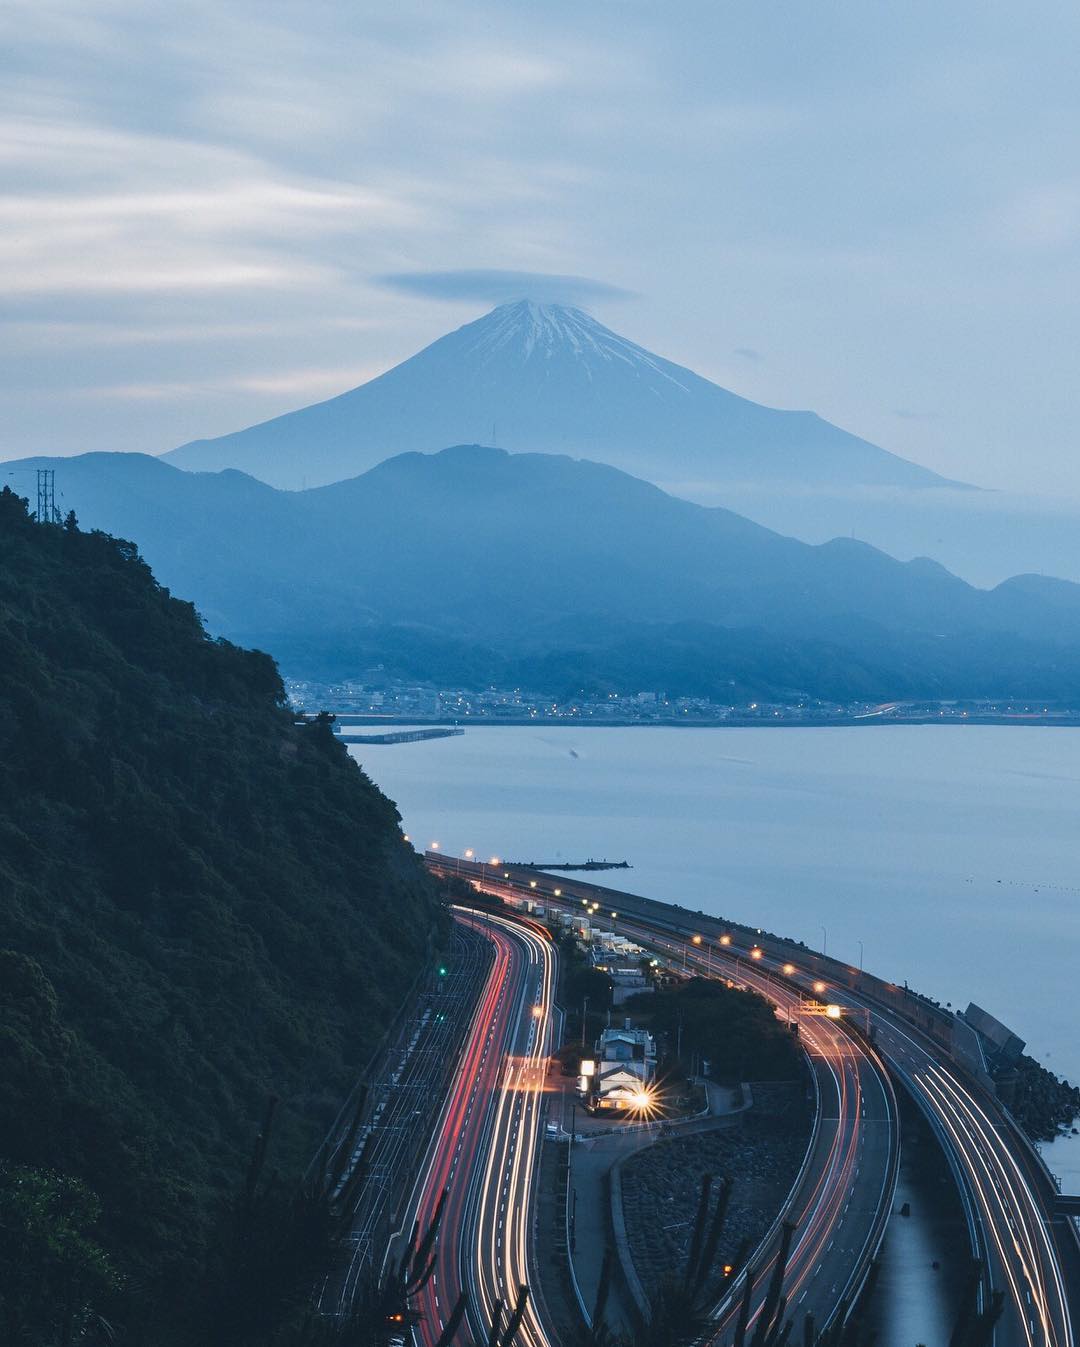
x: 868, y: 209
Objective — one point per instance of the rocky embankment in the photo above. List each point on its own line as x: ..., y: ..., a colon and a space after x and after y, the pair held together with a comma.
x: 1045, y: 1105
x: 661, y: 1186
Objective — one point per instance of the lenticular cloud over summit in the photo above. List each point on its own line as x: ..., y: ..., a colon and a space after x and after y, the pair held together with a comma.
x: 549, y: 378
x: 501, y: 287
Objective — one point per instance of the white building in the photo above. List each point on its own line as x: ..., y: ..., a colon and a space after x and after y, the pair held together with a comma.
x: 618, y: 1078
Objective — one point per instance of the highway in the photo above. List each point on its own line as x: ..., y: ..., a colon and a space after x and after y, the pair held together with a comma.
x: 485, y: 1148
x: 842, y: 1199
x: 1031, y: 1255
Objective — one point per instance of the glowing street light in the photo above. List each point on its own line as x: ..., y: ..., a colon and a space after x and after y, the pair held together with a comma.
x: 725, y: 940
x: 757, y: 952
x: 434, y: 846
x: 833, y: 1012
x: 819, y: 987
x: 789, y: 968
x: 469, y: 853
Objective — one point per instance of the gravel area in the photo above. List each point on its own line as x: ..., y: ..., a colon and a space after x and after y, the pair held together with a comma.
x: 661, y: 1188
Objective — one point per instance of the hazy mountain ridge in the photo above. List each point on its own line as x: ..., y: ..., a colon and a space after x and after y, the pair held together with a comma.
x: 551, y: 379
x: 519, y: 556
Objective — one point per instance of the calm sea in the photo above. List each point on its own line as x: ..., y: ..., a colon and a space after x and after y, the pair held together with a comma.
x: 944, y: 856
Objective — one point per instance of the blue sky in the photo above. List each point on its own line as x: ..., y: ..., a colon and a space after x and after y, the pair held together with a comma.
x: 872, y: 210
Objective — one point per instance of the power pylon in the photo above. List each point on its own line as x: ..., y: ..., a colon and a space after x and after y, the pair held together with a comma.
x: 46, y: 512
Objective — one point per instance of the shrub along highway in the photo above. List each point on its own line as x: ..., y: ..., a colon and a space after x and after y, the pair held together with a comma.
x: 1030, y: 1252
x: 484, y: 1150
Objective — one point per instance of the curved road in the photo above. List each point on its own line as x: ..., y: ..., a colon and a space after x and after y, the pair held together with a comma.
x: 485, y: 1148
x: 843, y: 1196
x: 1031, y: 1255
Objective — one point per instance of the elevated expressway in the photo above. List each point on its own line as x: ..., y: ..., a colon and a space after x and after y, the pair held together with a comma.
x: 485, y: 1148
x: 840, y: 1203
x: 1031, y: 1253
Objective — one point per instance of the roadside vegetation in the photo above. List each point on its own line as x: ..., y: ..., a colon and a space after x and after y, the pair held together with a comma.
x: 735, y: 1031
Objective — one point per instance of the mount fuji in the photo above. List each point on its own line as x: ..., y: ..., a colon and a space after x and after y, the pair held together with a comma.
x: 551, y: 379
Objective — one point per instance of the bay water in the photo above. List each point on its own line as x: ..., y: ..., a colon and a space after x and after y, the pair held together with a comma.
x: 947, y: 857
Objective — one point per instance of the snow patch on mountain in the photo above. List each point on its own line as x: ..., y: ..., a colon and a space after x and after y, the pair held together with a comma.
x: 523, y: 327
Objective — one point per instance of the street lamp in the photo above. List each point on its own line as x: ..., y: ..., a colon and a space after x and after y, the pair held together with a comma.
x: 824, y: 940
x: 860, y: 956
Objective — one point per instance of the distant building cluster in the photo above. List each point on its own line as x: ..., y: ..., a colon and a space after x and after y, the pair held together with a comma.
x: 374, y: 696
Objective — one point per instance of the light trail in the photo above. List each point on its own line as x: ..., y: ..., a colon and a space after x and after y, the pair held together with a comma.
x: 1030, y: 1254
x: 1011, y: 1218
x: 485, y: 1149
x: 821, y: 1207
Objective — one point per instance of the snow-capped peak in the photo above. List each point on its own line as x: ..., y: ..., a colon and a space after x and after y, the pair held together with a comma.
x: 524, y: 329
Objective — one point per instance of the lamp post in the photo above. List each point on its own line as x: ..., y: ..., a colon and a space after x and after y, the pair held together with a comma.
x: 584, y: 1012
x: 860, y: 956
x: 824, y: 940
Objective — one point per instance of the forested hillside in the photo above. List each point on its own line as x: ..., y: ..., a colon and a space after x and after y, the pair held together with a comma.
x: 201, y: 905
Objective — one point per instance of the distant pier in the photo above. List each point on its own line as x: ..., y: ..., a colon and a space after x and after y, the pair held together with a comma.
x: 401, y: 736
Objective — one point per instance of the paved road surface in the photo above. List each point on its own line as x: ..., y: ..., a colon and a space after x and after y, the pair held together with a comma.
x: 1031, y: 1256
x: 484, y: 1152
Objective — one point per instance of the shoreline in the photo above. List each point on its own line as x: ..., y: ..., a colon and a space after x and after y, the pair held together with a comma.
x: 728, y: 723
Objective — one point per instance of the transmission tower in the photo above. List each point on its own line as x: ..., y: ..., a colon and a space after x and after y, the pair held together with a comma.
x: 46, y: 512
